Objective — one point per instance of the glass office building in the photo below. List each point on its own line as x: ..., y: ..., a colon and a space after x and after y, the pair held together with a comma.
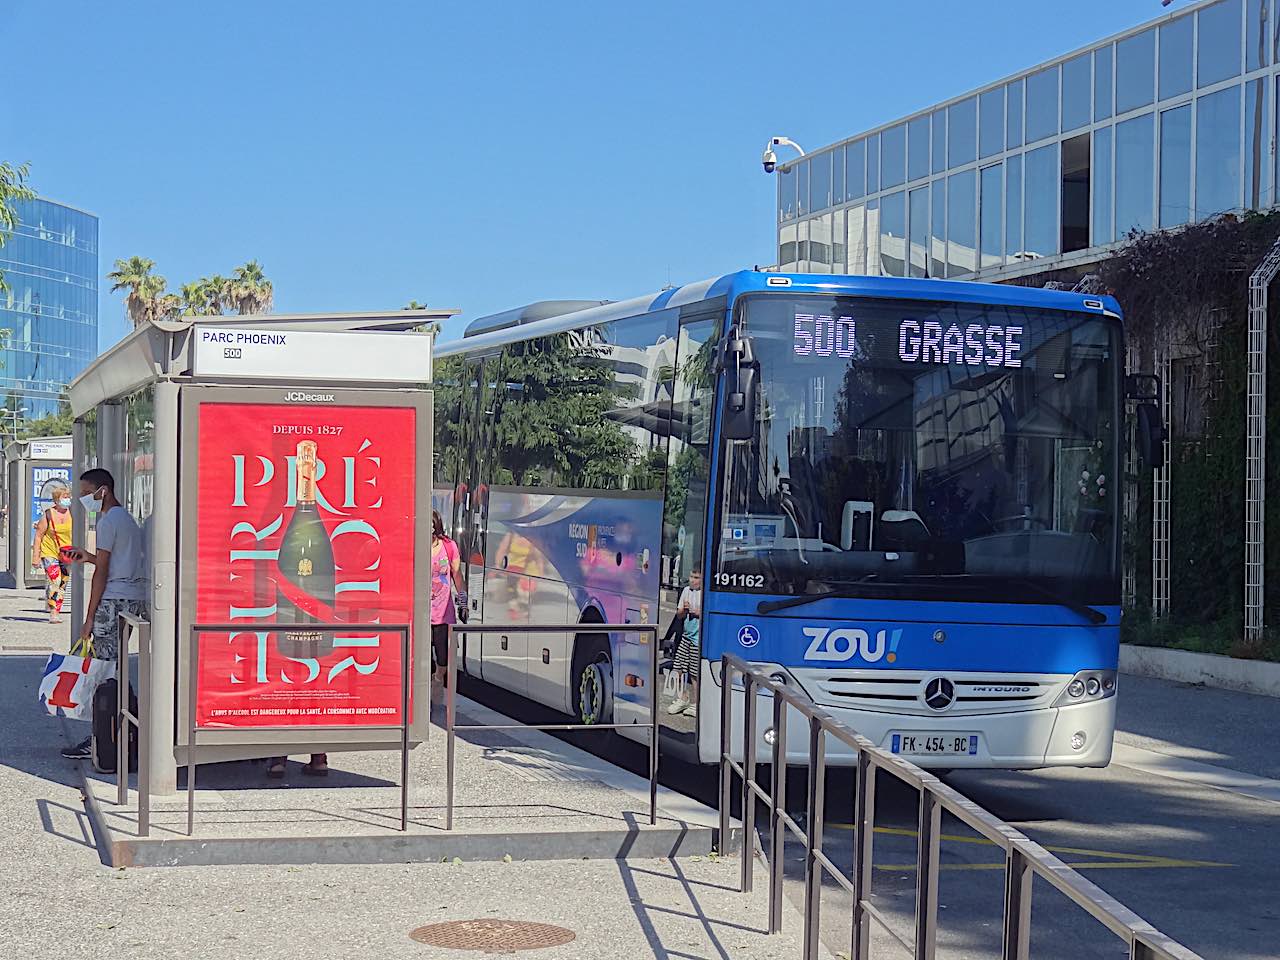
x: 1168, y: 123
x: 49, y: 314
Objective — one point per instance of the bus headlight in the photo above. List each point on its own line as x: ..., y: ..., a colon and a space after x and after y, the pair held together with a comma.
x: 1088, y: 685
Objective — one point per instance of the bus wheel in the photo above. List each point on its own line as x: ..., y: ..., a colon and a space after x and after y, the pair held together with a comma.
x: 594, y: 673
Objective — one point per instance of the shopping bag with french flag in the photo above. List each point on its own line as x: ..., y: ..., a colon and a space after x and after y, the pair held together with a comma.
x: 69, y: 681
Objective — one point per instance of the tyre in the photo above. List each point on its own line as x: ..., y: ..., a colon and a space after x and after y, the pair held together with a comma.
x: 593, y: 683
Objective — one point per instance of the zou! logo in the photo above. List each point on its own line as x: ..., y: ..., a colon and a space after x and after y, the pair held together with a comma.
x: 845, y: 643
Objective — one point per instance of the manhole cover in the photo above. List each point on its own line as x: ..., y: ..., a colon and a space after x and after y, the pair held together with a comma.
x: 493, y: 936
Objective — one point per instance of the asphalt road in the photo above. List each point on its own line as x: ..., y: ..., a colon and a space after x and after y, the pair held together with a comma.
x: 1200, y: 862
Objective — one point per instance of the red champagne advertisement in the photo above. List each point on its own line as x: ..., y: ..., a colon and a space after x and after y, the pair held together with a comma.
x: 306, y: 516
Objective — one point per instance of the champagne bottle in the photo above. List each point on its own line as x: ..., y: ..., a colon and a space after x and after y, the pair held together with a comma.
x: 305, y: 591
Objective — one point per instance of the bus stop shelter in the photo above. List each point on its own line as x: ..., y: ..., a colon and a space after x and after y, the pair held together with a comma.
x: 33, y: 470
x: 215, y: 429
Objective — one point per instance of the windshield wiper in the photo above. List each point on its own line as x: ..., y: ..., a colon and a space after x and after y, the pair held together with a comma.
x: 1092, y: 614
x: 768, y: 606
x: 1080, y: 609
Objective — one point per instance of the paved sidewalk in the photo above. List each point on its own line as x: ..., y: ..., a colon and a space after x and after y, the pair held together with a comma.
x: 61, y: 901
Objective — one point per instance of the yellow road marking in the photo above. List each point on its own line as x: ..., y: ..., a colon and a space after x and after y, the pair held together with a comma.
x: 1100, y: 859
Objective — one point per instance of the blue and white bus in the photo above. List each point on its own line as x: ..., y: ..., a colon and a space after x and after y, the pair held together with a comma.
x: 905, y: 496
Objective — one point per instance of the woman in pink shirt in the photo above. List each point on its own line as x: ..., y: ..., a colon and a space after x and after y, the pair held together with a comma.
x: 446, y: 575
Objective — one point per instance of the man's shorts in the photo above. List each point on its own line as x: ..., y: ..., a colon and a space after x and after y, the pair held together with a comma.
x: 106, y: 624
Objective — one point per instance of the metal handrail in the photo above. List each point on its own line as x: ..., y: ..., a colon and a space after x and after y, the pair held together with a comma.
x: 406, y: 668
x: 451, y: 712
x: 1025, y: 859
x: 128, y: 625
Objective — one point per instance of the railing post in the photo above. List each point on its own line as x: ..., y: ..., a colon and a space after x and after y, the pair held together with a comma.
x: 748, y: 781
x: 1016, y: 942
x: 144, y: 738
x: 726, y: 743
x: 653, y: 726
x: 864, y: 815
x: 777, y: 836
x: 451, y: 674
x: 405, y: 669
x: 122, y: 702
x: 929, y: 828
x: 813, y: 838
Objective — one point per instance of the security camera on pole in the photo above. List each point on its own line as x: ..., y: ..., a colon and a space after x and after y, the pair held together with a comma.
x: 769, y: 159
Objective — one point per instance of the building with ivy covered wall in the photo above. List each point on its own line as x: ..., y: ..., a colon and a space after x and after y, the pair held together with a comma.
x: 1046, y: 177
x: 1165, y: 124
x: 49, y: 314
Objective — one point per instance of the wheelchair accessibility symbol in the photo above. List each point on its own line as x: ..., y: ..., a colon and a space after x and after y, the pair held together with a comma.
x: 748, y: 636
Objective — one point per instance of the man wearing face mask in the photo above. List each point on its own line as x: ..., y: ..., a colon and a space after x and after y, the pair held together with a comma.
x: 119, y: 578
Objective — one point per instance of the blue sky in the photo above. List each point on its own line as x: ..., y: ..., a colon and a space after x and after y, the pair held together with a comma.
x: 475, y: 155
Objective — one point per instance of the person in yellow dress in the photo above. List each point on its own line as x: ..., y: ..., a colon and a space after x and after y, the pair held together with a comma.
x: 53, y: 532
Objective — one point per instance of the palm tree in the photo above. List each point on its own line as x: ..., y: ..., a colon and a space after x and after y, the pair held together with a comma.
x: 249, y: 289
x: 144, y: 287
x: 218, y: 293
x: 166, y: 306
x: 195, y: 298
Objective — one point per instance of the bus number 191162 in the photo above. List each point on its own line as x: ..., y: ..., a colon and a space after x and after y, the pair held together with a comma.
x: 748, y: 581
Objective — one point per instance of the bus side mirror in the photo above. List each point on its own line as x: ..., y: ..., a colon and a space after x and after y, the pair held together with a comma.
x: 1145, y: 389
x: 1150, y: 436
x: 742, y: 387
x: 740, y: 406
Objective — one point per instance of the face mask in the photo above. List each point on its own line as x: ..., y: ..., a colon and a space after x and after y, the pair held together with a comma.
x: 90, y: 504
x: 64, y: 502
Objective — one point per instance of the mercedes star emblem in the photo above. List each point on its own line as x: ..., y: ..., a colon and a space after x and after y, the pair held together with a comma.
x: 939, y: 693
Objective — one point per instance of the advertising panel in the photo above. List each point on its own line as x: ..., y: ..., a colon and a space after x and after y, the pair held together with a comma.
x: 44, y: 480
x: 305, y: 515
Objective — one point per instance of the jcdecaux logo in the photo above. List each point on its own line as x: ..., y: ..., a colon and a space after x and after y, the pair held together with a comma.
x: 842, y: 644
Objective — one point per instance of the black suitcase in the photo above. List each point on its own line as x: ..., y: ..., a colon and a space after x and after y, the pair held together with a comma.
x: 102, y: 736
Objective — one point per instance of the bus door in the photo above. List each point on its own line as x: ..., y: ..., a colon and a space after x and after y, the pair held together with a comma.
x: 473, y: 498
x: 683, y: 529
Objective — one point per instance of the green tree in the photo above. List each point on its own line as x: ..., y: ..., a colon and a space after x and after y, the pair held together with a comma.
x: 56, y: 424
x: 13, y: 187
x: 249, y: 291
x: 145, y: 289
x: 414, y: 305
x: 552, y: 428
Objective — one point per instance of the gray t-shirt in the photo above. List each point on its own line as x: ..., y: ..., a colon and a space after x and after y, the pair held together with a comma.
x: 126, y: 577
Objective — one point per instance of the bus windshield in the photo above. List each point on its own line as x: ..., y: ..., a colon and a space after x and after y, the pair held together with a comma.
x: 926, y: 450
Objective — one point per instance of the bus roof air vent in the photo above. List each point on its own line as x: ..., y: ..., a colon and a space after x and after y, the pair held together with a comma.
x: 529, y: 313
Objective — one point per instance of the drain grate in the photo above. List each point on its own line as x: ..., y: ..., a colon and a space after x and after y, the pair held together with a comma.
x: 493, y: 936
